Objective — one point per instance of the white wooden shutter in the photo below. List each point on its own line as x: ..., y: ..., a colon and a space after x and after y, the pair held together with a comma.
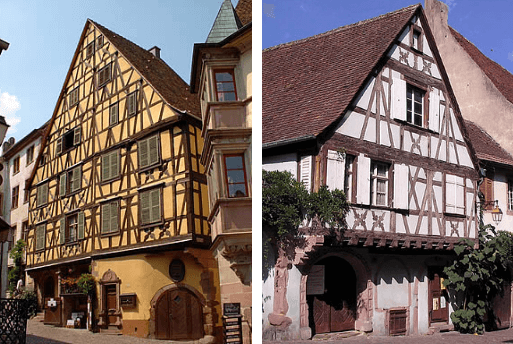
x: 398, y: 106
x: 450, y: 194
x: 62, y: 231
x: 401, y: 182
x: 335, y: 170
x: 62, y: 185
x: 305, y: 171
x: 80, y: 226
x: 105, y: 218
x: 363, y: 180
x: 434, y: 110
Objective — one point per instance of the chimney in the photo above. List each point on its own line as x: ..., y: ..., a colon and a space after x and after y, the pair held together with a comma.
x: 155, y: 51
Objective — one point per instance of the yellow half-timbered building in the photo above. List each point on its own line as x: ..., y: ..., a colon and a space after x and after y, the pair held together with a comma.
x: 119, y: 192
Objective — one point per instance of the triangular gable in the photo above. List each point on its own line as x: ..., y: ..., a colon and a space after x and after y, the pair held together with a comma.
x: 226, y: 23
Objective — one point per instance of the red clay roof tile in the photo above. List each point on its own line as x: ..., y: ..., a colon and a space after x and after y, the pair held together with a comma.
x: 485, y: 146
x: 243, y: 10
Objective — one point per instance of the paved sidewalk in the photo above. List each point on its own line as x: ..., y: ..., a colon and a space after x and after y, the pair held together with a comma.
x: 503, y: 336
x: 38, y: 333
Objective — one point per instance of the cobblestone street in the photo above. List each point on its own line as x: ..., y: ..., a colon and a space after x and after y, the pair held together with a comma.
x: 503, y: 336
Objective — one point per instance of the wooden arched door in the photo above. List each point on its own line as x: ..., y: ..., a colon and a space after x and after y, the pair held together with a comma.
x: 178, y: 316
x: 333, y: 309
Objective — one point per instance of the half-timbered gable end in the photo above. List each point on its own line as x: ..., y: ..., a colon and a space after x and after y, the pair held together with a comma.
x: 368, y: 109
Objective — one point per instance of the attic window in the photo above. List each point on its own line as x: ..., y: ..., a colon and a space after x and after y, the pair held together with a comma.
x: 415, y: 42
x: 104, y: 75
x: 73, y: 97
x: 90, y: 50
x: 132, y: 103
x: 99, y: 42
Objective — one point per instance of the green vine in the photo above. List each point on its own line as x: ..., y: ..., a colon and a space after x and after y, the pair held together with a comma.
x: 86, y: 283
x: 14, y: 274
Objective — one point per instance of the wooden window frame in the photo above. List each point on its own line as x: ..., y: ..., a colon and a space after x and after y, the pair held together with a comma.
x: 74, y: 97
x: 112, y: 112
x: 131, y: 102
x: 455, y: 206
x: 38, y: 200
x: 100, y: 41
x: 26, y: 193
x: 73, y: 135
x: 374, y: 177
x: 102, y: 79
x: 150, y: 164
x: 487, y: 190
x: 424, y: 106
x: 30, y: 154
x: 41, y: 226
x: 225, y: 171
x: 70, y: 189
x: 231, y: 71
x: 102, y: 214
x: 15, y: 197
x: 110, y: 178
x: 90, y: 49
x: 75, y: 215
x: 159, y: 189
x: 16, y: 165
x: 349, y: 177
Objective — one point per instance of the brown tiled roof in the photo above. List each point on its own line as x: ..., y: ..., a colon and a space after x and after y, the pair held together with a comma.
x: 170, y: 85
x: 485, y: 146
x: 243, y: 10
x: 501, y: 78
x: 307, y: 84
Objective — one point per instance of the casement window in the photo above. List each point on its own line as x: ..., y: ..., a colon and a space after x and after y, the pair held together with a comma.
x: 104, y: 75
x: 510, y: 195
x: 16, y: 165
x: 454, y: 195
x: 225, y: 85
x: 349, y: 177
x: 30, y: 155
x: 72, y: 228
x: 90, y: 50
x: 339, y: 174
x: 69, y: 140
x: 110, y: 217
x: 113, y: 114
x: 379, y: 183
x: 149, y: 206
x: 70, y: 181
x: 305, y: 171
x: 15, y: 196
x: 414, y: 105
x: 131, y: 103
x: 42, y: 194
x: 416, y: 40
x: 148, y: 151
x: 487, y: 190
x: 73, y: 97
x: 110, y: 165
x: 235, y: 175
x: 99, y: 42
x: 40, y: 237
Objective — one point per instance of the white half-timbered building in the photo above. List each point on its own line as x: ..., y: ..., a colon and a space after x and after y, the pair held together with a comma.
x: 368, y: 109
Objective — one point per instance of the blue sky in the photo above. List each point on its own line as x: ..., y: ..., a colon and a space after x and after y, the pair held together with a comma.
x: 487, y: 24
x: 43, y: 36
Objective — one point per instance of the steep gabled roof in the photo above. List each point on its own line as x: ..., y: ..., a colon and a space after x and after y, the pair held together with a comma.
x: 226, y: 23
x: 500, y: 77
x: 243, y: 10
x: 170, y: 85
x: 307, y: 84
x: 485, y: 146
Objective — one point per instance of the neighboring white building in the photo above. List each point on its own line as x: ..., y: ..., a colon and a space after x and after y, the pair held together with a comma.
x: 18, y: 163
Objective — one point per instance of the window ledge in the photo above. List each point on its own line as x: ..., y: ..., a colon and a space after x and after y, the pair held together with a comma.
x: 461, y: 216
x: 149, y: 168
x: 108, y: 181
x: 110, y: 234
x: 151, y: 225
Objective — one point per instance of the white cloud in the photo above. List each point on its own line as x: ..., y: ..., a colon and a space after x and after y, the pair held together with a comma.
x: 510, y: 56
x: 9, y: 105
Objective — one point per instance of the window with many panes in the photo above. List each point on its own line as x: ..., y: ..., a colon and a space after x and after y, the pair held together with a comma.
x: 148, y: 151
x: 104, y: 75
x: 72, y: 228
x: 69, y: 140
x: 414, y: 105
x: 379, y: 183
x: 73, y: 97
x: 70, y: 181
x: 235, y: 175
x: 42, y: 194
x: 349, y: 177
x: 149, y: 206
x: 16, y: 165
x: 110, y: 165
x: 15, y: 196
x: 110, y: 217
x: 225, y: 85
x: 131, y: 103
x: 114, y: 114
x: 40, y: 236
x: 30, y: 154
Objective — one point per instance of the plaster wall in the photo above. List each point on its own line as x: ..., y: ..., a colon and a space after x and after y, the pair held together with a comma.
x: 282, y: 162
x: 500, y: 193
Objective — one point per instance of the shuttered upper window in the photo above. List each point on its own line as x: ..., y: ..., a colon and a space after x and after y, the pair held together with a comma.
x: 114, y: 114
x: 40, y: 237
x: 148, y: 151
x: 379, y: 183
x: 454, y: 194
x: 90, y: 50
x: 72, y: 228
x: 104, y: 75
x: 414, y: 105
x: 487, y: 190
x: 71, y: 181
x: 131, y: 103
x: 69, y: 140
x: 149, y: 207
x: 42, y: 194
x: 73, y: 97
x: 110, y: 165
x: 110, y: 217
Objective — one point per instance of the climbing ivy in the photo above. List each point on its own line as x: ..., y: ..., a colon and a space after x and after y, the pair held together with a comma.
x: 16, y: 255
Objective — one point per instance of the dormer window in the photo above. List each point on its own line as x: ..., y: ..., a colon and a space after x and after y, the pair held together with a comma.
x: 414, y: 105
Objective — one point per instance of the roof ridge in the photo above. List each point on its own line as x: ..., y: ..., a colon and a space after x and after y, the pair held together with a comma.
x: 341, y: 28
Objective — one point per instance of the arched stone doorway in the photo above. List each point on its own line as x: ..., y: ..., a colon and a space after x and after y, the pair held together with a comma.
x: 331, y: 296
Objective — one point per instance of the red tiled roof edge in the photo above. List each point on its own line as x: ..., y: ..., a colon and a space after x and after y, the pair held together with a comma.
x: 485, y: 145
x: 243, y: 10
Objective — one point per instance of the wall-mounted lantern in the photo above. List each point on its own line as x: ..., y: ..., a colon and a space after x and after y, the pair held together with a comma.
x: 497, y: 213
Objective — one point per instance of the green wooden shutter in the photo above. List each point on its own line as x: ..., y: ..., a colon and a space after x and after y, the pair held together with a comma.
x: 155, y: 205
x: 114, y: 164
x: 81, y: 224
x: 39, y: 198
x: 145, y: 207
x: 45, y: 193
x: 40, y: 237
x: 113, y: 115
x: 76, y: 136
x: 114, y: 216
x: 76, y: 179
x: 105, y: 218
x: 58, y: 149
x: 143, y: 153
x: 62, y: 231
x: 153, y: 148
x: 105, y: 167
x: 62, y: 185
